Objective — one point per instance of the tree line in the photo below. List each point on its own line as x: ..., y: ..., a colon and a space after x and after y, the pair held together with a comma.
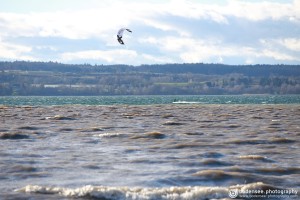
x: 52, y: 78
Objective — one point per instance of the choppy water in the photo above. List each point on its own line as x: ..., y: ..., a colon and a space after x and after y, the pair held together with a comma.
x: 149, y: 100
x: 173, y: 151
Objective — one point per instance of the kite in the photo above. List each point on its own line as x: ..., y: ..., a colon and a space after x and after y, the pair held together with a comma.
x: 120, y: 34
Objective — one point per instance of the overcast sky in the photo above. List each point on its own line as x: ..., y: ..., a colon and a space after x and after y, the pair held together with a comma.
x: 164, y: 31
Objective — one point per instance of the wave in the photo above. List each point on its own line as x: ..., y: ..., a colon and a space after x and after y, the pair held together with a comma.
x: 279, y: 170
x: 150, y: 135
x: 59, y: 117
x: 111, y: 135
x: 19, y: 136
x: 172, y: 123
x: 189, y: 102
x: 255, y: 157
x: 131, y: 193
x: 13, y: 136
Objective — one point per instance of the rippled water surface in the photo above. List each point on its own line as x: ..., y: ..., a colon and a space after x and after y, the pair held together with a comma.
x: 149, y: 100
x: 193, y: 151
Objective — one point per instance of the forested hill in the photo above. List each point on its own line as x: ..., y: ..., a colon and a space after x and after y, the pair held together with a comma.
x: 51, y: 78
x: 199, y: 68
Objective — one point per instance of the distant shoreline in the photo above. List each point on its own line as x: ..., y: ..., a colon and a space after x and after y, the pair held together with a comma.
x: 55, y: 79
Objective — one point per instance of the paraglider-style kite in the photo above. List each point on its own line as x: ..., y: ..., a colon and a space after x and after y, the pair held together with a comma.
x: 120, y: 34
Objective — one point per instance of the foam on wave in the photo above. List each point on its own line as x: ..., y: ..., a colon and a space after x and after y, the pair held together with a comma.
x: 132, y: 193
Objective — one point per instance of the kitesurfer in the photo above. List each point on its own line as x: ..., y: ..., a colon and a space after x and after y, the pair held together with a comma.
x: 120, y: 35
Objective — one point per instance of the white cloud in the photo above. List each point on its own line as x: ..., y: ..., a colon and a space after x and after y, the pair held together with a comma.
x: 164, y: 31
x: 46, y: 47
x: 108, y: 16
x: 157, y: 24
x: 193, y: 50
x: 259, y: 10
x: 10, y: 51
x: 76, y: 24
x: 16, y: 25
x: 273, y: 48
x: 291, y: 43
x: 111, y: 56
x: 150, y: 40
x: 262, y: 10
x: 146, y: 59
x: 279, y: 56
x: 208, y: 53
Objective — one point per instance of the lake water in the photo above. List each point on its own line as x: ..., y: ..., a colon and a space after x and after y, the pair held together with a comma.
x: 150, y: 147
x: 149, y: 100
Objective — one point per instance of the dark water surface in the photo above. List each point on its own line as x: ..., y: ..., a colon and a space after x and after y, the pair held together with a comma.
x: 174, y: 151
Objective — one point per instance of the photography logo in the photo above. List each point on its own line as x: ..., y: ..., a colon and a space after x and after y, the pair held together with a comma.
x: 233, y: 193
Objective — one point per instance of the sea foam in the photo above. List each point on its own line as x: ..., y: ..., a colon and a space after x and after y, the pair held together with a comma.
x: 134, y: 193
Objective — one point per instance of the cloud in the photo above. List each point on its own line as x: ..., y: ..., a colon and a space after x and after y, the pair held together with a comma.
x: 291, y: 43
x: 234, y: 32
x: 262, y: 10
x: 150, y: 59
x: 111, y: 56
x: 14, y: 52
x: 279, y: 56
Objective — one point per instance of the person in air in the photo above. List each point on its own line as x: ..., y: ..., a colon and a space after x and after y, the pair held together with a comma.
x: 120, y: 39
x: 120, y: 35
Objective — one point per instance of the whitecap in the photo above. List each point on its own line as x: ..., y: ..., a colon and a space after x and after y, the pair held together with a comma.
x: 126, y: 193
x: 109, y: 135
x: 134, y: 193
x: 254, y: 157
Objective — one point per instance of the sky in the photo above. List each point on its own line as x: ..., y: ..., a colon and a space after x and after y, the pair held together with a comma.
x: 163, y: 31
